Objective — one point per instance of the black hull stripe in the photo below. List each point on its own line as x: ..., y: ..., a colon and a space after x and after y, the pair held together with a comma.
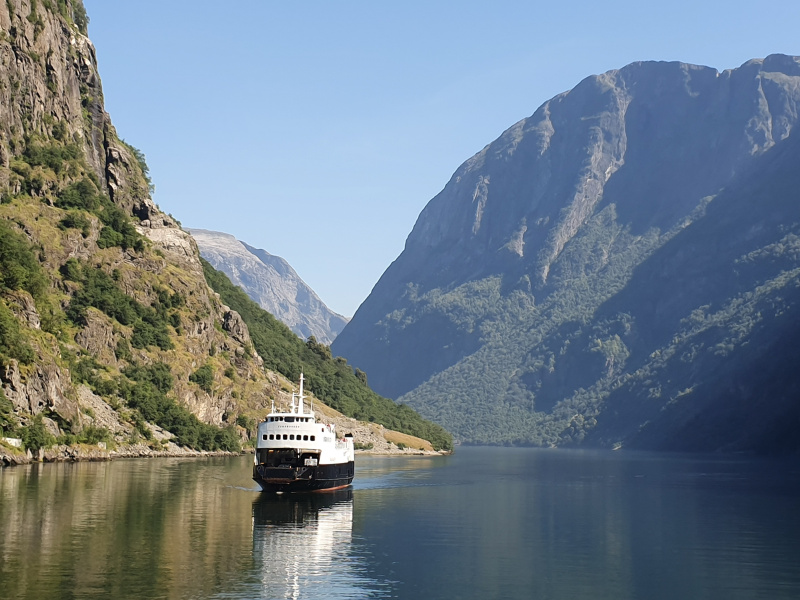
x: 304, y: 479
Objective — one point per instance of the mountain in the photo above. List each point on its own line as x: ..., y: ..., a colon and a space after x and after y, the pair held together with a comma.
x: 109, y: 329
x: 617, y: 269
x: 272, y: 283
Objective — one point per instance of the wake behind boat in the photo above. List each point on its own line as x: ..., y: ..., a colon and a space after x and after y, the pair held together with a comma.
x: 295, y: 453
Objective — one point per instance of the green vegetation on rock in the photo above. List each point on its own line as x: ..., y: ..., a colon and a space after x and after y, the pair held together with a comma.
x: 146, y: 388
x: 90, y: 434
x: 204, y: 377
x: 36, y: 436
x: 19, y: 271
x: 8, y: 423
x: 150, y: 325
x: 19, y: 264
x: 148, y: 394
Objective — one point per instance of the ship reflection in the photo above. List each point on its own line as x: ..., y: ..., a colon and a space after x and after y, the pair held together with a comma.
x: 300, y: 509
x: 302, y: 547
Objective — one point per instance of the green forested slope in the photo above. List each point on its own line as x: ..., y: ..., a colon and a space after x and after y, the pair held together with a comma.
x: 682, y: 342
x: 330, y: 379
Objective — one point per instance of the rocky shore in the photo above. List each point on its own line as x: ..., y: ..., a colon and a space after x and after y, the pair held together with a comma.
x: 370, y: 438
x: 84, y: 452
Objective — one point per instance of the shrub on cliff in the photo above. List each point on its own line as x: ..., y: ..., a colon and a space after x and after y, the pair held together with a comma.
x: 80, y: 17
x: 81, y: 194
x: 50, y: 155
x: 118, y: 230
x: 204, y: 377
x: 8, y: 424
x: 75, y: 219
x: 12, y: 343
x: 158, y: 374
x: 36, y: 436
x: 19, y: 264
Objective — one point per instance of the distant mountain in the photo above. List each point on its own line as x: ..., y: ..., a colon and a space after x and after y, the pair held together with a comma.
x: 272, y: 283
x: 622, y: 267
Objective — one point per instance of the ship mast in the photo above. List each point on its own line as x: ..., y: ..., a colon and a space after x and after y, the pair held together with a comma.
x: 297, y: 406
x: 300, y: 395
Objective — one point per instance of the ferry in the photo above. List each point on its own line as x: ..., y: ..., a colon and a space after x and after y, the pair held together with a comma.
x: 295, y: 453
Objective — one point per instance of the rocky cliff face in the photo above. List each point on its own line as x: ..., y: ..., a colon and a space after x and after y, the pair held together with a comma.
x: 120, y: 285
x: 272, y: 283
x: 489, y: 320
x: 49, y: 79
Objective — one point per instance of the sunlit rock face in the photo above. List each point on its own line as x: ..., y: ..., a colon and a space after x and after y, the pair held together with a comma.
x: 271, y: 282
x: 507, y: 270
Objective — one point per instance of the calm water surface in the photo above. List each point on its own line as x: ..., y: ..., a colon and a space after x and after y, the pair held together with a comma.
x: 483, y: 523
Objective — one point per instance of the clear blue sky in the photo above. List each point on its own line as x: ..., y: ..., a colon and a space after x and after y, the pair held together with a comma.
x: 319, y: 130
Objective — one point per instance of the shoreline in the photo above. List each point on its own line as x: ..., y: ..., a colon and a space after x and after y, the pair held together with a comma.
x: 96, y: 453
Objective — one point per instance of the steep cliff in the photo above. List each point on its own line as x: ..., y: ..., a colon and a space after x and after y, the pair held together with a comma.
x: 272, y: 283
x: 110, y: 283
x: 109, y: 331
x: 495, y: 319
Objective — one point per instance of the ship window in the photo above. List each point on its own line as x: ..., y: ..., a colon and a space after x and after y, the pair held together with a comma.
x: 271, y: 436
x: 263, y: 437
x: 305, y: 438
x: 313, y: 437
x: 291, y: 436
x: 285, y: 436
x: 289, y: 419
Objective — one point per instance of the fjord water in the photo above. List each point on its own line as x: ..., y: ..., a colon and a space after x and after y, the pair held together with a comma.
x: 483, y: 523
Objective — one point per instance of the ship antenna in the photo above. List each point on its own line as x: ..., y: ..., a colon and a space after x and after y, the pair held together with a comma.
x: 301, y: 392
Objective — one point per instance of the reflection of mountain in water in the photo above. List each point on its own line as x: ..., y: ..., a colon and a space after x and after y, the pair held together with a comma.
x: 302, y: 547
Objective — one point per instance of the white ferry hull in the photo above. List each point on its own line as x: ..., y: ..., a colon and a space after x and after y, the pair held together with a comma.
x: 295, y: 453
